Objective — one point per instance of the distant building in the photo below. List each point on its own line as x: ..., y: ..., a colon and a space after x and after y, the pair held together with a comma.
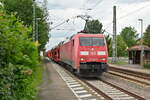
x: 135, y: 52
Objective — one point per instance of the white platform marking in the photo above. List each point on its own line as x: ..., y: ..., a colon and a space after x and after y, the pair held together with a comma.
x: 78, y: 88
x: 76, y: 85
x: 85, y: 95
x: 91, y: 99
x: 81, y: 91
x: 71, y: 83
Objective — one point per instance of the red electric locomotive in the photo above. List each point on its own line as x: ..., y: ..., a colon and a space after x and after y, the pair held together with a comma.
x: 85, y: 53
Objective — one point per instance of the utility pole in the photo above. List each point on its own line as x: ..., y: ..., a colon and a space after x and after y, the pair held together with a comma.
x: 45, y: 5
x: 45, y: 2
x: 142, y: 48
x: 114, y: 44
x: 33, y: 34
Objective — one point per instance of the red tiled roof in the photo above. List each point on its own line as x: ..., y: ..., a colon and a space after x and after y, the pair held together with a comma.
x: 138, y: 47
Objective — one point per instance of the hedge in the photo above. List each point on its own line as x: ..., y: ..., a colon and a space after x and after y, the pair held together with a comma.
x: 18, y: 60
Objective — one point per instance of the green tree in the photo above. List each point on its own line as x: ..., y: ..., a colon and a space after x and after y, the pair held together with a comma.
x: 110, y: 50
x: 147, y: 36
x: 22, y: 8
x: 129, y: 36
x: 108, y: 41
x: 18, y: 59
x: 121, y: 47
x: 24, y: 11
x: 93, y: 26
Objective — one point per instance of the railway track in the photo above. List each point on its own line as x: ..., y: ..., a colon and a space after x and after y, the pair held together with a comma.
x: 138, y: 77
x: 112, y: 92
x: 95, y: 89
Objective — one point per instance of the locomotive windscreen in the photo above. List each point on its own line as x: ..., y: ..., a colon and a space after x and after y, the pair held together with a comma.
x: 91, y: 41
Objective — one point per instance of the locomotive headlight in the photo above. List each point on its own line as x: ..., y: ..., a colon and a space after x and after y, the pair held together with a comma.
x: 82, y: 59
x: 101, y: 53
x: 84, y: 53
x: 102, y: 58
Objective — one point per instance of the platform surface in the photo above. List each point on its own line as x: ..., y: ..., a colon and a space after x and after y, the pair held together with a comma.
x: 53, y: 87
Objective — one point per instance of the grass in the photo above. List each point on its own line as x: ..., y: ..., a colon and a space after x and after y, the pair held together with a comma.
x: 119, y: 62
x: 38, y: 74
x: 147, y: 66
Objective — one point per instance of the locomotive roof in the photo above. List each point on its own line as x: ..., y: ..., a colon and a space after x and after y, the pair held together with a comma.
x: 78, y: 35
x: 84, y: 34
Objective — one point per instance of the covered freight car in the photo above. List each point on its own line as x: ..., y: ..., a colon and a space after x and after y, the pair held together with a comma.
x: 55, y: 53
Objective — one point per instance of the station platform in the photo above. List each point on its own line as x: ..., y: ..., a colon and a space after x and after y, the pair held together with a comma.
x: 136, y: 68
x: 53, y: 87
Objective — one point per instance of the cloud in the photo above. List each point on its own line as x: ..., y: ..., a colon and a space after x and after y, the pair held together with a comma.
x: 65, y: 3
x: 128, y: 13
x: 67, y: 27
x: 132, y: 1
x: 53, y: 42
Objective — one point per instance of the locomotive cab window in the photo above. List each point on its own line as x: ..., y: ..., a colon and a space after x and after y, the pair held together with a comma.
x: 91, y: 41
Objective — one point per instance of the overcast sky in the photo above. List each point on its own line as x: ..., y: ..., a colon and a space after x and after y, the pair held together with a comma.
x: 128, y: 13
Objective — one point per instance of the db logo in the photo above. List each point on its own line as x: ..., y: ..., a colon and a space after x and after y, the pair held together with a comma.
x: 93, y: 53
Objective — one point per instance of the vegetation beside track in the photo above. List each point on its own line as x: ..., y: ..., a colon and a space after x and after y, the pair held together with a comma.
x: 23, y: 10
x: 20, y: 69
x: 120, y: 61
x: 147, y: 66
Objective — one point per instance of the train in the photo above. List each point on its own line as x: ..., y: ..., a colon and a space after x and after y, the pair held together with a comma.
x: 85, y: 54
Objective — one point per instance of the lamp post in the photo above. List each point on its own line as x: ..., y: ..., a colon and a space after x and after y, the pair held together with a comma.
x: 33, y: 29
x: 37, y: 35
x: 142, y: 48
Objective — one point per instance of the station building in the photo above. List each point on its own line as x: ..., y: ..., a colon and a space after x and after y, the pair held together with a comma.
x: 135, y: 54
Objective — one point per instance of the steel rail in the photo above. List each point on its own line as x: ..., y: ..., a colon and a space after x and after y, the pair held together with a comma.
x: 132, y: 79
x: 130, y: 72
x: 125, y: 91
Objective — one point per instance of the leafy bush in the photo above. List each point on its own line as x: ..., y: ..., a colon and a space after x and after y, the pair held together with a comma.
x: 18, y: 60
x: 147, y: 66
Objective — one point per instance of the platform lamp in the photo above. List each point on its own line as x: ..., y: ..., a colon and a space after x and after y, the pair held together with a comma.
x: 142, y: 48
x: 33, y: 29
